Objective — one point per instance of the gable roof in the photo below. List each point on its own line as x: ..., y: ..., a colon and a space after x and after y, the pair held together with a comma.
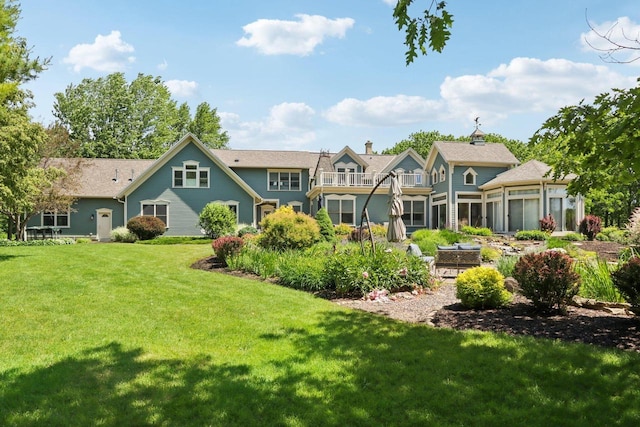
x: 348, y: 151
x: 189, y: 138
x: 487, y: 154
x: 409, y: 152
x: 533, y: 171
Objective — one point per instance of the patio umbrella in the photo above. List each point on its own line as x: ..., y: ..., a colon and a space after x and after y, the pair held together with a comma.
x: 396, y: 232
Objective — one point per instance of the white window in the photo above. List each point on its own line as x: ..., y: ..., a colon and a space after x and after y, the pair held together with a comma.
x: 297, y: 206
x: 470, y: 177
x: 56, y: 219
x: 190, y: 175
x: 434, y: 177
x: 341, y: 209
x: 159, y: 209
x: 284, y: 180
x: 443, y: 174
x: 414, y: 211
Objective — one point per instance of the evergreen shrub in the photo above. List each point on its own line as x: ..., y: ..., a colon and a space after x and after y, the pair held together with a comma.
x: 326, y: 226
x: 536, y: 235
x: 123, y: 235
x: 146, y: 227
x: 482, y: 288
x: 547, y: 279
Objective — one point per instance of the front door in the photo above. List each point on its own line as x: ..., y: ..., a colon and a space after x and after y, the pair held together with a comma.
x: 104, y: 225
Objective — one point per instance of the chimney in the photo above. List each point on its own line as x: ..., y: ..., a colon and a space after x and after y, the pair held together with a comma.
x: 367, y: 147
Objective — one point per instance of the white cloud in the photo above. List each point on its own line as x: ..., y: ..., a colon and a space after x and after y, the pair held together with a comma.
x: 182, y: 88
x: 383, y: 111
x: 163, y: 65
x: 524, y: 86
x: 288, y: 126
x: 390, y: 2
x: 277, y: 37
x: 107, y: 53
x: 623, y: 32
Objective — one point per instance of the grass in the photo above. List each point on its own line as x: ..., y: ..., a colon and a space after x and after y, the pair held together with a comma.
x: 121, y: 334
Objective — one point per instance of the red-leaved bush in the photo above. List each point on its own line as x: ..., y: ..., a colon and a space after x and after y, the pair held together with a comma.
x: 548, y: 224
x: 590, y: 226
x: 227, y: 246
x: 547, y: 279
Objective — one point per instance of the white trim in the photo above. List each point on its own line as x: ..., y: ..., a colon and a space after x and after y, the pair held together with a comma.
x: 287, y: 171
x: 183, y: 170
x: 341, y: 198
x: 424, y: 211
x: 156, y: 202
x: 468, y: 172
x: 55, y: 218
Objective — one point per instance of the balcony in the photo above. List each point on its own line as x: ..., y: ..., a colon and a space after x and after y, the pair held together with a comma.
x: 351, y: 179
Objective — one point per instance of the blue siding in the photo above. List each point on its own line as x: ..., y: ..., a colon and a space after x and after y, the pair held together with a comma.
x: 258, y: 179
x: 408, y: 164
x: 185, y: 204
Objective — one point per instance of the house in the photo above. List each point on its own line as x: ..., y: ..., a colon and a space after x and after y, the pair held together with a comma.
x: 479, y: 184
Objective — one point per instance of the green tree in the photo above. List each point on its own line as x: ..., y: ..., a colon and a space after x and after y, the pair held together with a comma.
x: 113, y: 119
x: 598, y: 143
x: 427, y: 30
x: 21, y: 180
x: 206, y: 126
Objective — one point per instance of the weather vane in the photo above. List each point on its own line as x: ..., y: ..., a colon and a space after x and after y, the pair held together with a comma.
x: 477, y: 124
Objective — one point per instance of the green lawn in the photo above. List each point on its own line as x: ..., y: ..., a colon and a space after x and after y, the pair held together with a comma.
x: 120, y: 335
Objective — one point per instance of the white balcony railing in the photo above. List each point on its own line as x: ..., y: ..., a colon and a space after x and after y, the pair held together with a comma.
x: 351, y: 179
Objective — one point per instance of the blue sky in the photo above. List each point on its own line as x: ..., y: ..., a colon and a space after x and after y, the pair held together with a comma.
x: 312, y: 74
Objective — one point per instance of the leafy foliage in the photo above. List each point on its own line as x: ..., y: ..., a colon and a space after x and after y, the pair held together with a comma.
x: 531, y: 235
x: 285, y: 229
x: 326, y: 226
x: 596, y: 281
x: 506, y: 264
x: 627, y: 280
x: 429, y: 31
x: 217, y: 220
x: 547, y: 279
x: 206, y: 126
x: 548, y: 224
x: 590, y: 226
x: 482, y: 288
x: 146, y: 227
x: 476, y: 231
x: 247, y: 229
x: 633, y: 227
x: 227, y: 246
x: 123, y: 235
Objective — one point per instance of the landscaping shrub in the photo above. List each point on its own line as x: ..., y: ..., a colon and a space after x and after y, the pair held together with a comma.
x: 246, y: 229
x: 255, y: 260
x: 506, y: 263
x: 573, y: 237
x: 547, y: 279
x: 227, y: 246
x: 536, y: 235
x: 43, y: 242
x: 326, y: 226
x: 489, y: 254
x: 285, y: 229
x: 590, y: 226
x: 566, y: 245
x: 379, y: 230
x: 342, y: 229
x: 217, y: 220
x: 83, y: 240
x: 548, y: 224
x: 482, y: 288
x: 612, y: 234
x: 146, y: 227
x: 476, y: 231
x: 429, y: 240
x: 359, y: 233
x: 123, y: 235
x: 627, y: 280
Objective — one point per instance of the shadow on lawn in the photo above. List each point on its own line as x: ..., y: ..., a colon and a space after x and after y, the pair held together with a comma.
x: 388, y: 373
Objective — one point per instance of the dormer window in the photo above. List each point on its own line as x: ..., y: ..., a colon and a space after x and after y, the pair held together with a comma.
x: 434, y: 177
x: 470, y: 177
x: 443, y: 174
x: 190, y: 175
